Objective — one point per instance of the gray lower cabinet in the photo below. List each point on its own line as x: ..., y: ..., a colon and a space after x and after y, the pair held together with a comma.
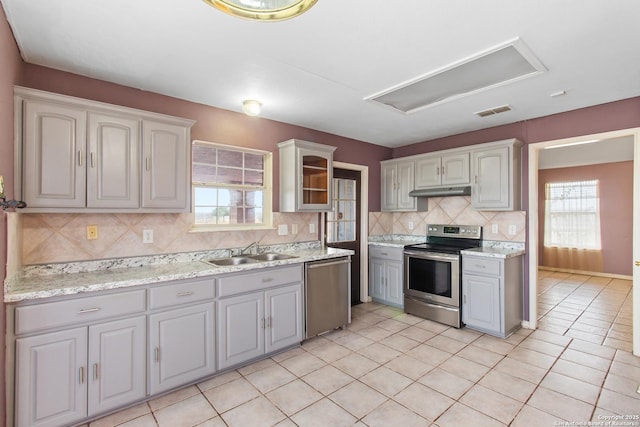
x: 492, y: 294
x: 385, y: 275
x: 65, y: 376
x: 258, y: 313
x: 181, y: 346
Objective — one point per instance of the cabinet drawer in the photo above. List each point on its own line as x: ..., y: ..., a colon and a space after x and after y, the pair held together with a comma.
x: 385, y: 252
x: 79, y: 310
x: 181, y: 293
x: 487, y: 266
x: 247, y: 282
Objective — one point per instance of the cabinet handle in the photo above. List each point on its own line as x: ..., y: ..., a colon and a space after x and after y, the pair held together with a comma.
x: 95, y: 371
x: 438, y: 170
x: 480, y: 266
x: 184, y: 294
x: 267, y: 280
x: 147, y: 163
x: 476, y: 179
x: 156, y: 353
x: 464, y: 299
x: 93, y: 159
x: 263, y: 323
x: 384, y: 253
x: 268, y: 322
x: 79, y: 157
x: 88, y: 310
x: 443, y: 171
x: 81, y: 374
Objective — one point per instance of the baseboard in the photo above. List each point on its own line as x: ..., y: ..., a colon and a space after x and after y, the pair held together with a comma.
x: 586, y: 273
x: 526, y: 325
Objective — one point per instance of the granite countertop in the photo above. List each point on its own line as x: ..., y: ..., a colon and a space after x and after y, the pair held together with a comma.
x: 494, y: 252
x: 395, y: 240
x: 122, y: 273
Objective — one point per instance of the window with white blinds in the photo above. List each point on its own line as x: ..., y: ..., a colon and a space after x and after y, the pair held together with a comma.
x: 231, y: 186
x: 572, y: 215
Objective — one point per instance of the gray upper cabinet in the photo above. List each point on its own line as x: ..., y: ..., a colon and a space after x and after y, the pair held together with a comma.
x: 75, y: 155
x: 306, y: 172
x: 397, y: 180
x: 496, y: 176
x: 442, y: 170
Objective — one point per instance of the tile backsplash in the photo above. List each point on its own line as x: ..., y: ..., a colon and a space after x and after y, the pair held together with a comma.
x: 49, y: 238
x: 450, y: 210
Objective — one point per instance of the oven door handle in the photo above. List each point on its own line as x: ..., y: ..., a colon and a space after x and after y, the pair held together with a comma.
x: 432, y: 256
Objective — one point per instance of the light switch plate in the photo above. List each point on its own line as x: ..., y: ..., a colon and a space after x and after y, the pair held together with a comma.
x: 494, y: 228
x: 312, y: 228
x: 283, y: 230
x: 147, y: 236
x: 512, y: 229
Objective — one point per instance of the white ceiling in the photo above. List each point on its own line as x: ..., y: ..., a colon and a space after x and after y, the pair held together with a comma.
x: 317, y: 69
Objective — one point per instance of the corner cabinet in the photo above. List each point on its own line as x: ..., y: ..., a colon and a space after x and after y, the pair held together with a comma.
x: 496, y: 176
x: 386, y: 274
x: 306, y: 173
x: 76, y: 155
x: 397, y: 180
x: 492, y: 294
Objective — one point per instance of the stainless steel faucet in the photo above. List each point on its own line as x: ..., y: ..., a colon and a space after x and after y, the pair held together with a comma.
x: 248, y: 248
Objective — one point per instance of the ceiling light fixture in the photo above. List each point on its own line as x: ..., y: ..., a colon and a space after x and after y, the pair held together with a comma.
x: 263, y: 10
x: 251, y: 107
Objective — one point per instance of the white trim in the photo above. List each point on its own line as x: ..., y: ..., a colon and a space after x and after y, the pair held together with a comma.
x: 364, y: 225
x: 533, y: 222
x: 586, y: 273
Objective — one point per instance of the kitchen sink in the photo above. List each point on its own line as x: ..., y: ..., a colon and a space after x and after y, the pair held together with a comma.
x: 236, y: 260
x: 270, y: 256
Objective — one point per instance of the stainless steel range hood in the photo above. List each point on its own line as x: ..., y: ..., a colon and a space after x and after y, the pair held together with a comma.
x: 442, y: 191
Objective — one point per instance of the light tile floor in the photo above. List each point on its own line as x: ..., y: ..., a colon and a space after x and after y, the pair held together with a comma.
x: 392, y: 369
x: 590, y: 308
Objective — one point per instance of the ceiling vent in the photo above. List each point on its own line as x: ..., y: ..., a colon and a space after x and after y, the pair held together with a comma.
x: 494, y: 110
x: 500, y: 65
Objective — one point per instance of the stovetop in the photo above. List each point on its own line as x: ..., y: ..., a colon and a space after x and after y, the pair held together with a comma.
x: 429, y: 247
x: 449, y: 239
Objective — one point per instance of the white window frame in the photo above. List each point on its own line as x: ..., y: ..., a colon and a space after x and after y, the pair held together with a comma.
x: 267, y: 189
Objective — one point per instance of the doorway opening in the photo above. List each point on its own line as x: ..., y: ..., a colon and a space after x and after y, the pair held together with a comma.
x: 534, y: 227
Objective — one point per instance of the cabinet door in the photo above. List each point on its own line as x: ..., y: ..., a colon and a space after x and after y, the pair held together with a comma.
x: 376, y: 278
x: 116, y: 374
x: 53, y: 156
x: 241, y: 325
x: 113, y: 174
x: 166, y: 182
x: 51, y: 386
x: 389, y: 187
x: 405, y: 185
x: 181, y: 346
x: 481, y: 302
x: 394, y: 283
x: 428, y: 172
x: 491, y: 180
x: 315, y: 173
x: 284, y: 317
x: 455, y: 169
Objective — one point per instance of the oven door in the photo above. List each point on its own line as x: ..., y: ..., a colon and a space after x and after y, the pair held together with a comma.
x: 432, y: 276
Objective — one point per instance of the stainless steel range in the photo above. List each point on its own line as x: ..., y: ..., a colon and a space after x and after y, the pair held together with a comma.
x: 432, y: 272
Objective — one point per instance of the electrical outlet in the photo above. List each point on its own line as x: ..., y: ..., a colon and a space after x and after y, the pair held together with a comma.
x: 147, y: 236
x: 410, y: 225
x: 312, y: 228
x: 638, y: 390
x: 283, y: 230
x: 512, y: 229
x: 92, y: 232
x: 494, y: 228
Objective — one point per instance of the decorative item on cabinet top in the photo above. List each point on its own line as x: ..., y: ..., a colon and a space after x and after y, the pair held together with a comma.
x: 78, y: 155
x: 306, y: 172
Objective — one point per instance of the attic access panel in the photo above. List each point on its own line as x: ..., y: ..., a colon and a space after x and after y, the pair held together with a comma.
x: 501, y: 65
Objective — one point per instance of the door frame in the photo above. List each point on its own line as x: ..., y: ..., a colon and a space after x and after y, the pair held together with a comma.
x: 533, y: 225
x: 364, y: 224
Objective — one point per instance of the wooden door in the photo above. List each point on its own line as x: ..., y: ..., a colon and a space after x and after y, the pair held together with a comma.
x: 455, y: 169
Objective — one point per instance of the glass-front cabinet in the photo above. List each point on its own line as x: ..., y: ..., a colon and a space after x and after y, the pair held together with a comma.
x: 305, y: 176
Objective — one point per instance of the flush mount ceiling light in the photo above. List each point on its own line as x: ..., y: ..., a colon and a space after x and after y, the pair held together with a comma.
x: 263, y: 10
x: 251, y: 107
x: 506, y: 63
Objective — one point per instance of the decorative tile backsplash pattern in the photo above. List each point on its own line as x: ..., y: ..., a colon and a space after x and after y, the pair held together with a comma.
x: 450, y: 210
x: 48, y: 238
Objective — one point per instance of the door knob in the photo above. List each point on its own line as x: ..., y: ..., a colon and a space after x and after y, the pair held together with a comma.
x: 637, y: 263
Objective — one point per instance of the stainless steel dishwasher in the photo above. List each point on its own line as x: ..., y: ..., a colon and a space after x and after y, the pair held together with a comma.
x: 327, y: 295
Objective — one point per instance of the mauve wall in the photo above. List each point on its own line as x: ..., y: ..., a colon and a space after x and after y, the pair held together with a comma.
x: 10, y: 74
x: 215, y: 124
x: 616, y: 209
